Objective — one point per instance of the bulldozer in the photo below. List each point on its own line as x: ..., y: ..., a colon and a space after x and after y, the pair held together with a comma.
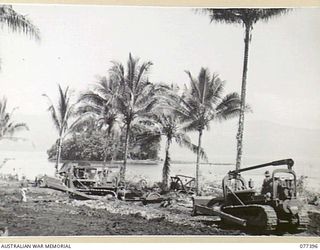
x: 277, y: 207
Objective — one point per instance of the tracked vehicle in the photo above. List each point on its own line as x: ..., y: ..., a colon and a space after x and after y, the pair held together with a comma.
x: 91, y: 178
x: 277, y: 207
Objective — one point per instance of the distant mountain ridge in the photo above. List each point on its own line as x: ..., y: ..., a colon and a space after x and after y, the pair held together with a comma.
x: 261, y: 139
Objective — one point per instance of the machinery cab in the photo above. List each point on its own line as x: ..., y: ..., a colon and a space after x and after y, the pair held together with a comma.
x: 281, y: 186
x: 284, y: 196
x: 284, y: 184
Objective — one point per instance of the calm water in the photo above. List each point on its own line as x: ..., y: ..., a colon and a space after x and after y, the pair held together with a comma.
x: 32, y: 164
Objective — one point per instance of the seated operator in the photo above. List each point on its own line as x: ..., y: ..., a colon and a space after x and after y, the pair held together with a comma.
x: 267, y: 183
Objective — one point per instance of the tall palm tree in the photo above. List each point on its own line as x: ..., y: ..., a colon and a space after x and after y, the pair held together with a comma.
x: 168, y: 124
x: 203, y: 102
x: 61, y: 114
x: 247, y: 18
x: 100, y: 104
x: 8, y: 127
x: 136, y: 96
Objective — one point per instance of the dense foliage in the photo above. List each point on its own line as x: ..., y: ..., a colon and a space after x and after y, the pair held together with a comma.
x: 95, y: 146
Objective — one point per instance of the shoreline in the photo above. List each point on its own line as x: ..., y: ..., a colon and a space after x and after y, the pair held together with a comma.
x: 145, y: 162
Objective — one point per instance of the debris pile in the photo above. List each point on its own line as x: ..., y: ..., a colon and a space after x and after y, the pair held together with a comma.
x: 175, y: 208
x: 314, y: 225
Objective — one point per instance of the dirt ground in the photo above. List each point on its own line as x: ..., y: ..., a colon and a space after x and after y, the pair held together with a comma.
x: 51, y: 213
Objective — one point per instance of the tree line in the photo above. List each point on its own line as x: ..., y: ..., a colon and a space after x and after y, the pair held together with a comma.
x: 125, y: 106
x: 125, y: 103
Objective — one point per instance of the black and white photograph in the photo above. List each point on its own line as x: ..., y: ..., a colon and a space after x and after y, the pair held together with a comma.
x: 159, y: 121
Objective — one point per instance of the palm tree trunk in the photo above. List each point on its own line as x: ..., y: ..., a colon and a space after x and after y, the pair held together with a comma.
x: 105, y: 156
x: 113, y: 147
x: 198, y: 162
x: 243, y: 96
x: 126, y: 146
x: 58, y: 154
x: 105, y: 151
x: 114, y: 151
x: 166, y: 166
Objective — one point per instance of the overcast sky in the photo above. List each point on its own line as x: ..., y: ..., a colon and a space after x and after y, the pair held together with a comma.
x: 78, y: 43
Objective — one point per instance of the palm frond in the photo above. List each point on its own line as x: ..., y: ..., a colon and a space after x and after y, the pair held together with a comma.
x: 53, y: 113
x: 63, y: 103
x: 184, y: 141
x: 243, y: 15
x: 194, y: 86
x: 93, y: 97
x: 16, y: 127
x: 266, y: 14
x: 64, y: 110
x: 142, y: 72
x: 135, y: 97
x: 193, y: 125
x: 203, y: 82
x: 117, y: 72
x: 17, y: 22
x: 229, y: 107
x: 3, y: 107
x: 231, y: 99
x: 146, y: 107
x: 8, y: 127
x: 215, y: 90
x: 228, y: 16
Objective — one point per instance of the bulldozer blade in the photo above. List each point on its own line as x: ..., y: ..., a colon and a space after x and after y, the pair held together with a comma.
x: 205, y: 200
x: 215, y: 211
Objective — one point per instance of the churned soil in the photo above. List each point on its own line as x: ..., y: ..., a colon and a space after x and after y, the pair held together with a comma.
x: 52, y: 213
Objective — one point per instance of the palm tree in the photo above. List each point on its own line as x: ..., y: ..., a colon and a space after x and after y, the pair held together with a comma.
x: 136, y: 96
x: 61, y: 114
x: 17, y: 22
x: 247, y: 18
x: 99, y: 105
x: 8, y: 127
x: 168, y: 125
x: 202, y: 103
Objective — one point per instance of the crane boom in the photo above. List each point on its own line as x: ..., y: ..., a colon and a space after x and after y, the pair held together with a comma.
x: 288, y: 162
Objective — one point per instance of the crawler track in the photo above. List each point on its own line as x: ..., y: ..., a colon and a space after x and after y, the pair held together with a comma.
x: 304, y: 219
x: 261, y: 217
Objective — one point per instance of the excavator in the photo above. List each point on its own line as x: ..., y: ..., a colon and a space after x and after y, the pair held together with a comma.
x: 278, y: 205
